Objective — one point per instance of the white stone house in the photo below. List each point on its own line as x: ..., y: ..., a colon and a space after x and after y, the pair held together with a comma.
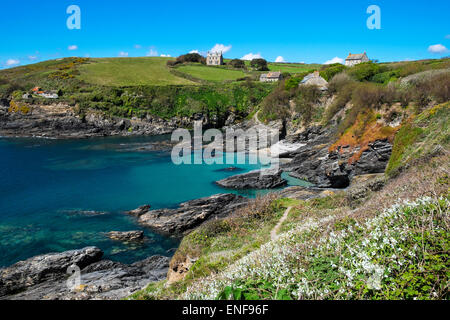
x: 354, y: 59
x: 314, y: 79
x: 214, y: 59
x: 271, y: 77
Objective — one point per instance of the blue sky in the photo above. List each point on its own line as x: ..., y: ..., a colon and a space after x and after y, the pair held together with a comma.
x: 299, y: 31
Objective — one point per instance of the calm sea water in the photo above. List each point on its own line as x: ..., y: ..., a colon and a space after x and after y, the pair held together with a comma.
x: 58, y: 195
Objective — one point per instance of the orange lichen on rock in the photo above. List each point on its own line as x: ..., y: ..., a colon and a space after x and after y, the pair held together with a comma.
x: 364, y: 131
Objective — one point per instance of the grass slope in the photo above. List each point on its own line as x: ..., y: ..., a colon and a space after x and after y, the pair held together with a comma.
x: 130, y: 72
x: 211, y: 73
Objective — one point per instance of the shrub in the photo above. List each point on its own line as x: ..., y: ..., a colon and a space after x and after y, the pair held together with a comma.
x: 328, y: 72
x: 237, y: 63
x: 259, y: 65
x: 365, y: 71
x: 307, y: 98
x: 346, y: 86
x: 276, y: 104
x: 338, y: 82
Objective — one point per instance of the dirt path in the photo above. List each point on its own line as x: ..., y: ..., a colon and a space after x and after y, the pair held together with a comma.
x: 255, y: 118
x: 273, y: 233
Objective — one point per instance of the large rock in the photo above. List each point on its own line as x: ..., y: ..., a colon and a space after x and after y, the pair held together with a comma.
x: 334, y: 169
x: 102, y: 279
x: 189, y: 215
x: 43, y: 268
x: 258, y: 179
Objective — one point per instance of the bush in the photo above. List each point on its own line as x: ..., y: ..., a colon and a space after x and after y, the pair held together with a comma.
x: 344, y: 86
x: 237, y: 63
x: 328, y: 72
x: 187, y: 58
x: 338, y: 82
x: 307, y: 98
x: 365, y: 71
x: 276, y: 104
x: 259, y: 65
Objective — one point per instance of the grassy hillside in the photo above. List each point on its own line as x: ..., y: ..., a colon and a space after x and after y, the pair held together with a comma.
x: 203, y: 72
x: 130, y: 72
x: 293, y: 67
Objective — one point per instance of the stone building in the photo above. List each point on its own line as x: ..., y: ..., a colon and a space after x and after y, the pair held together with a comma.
x: 214, y: 59
x: 271, y: 77
x: 314, y: 79
x: 354, y: 59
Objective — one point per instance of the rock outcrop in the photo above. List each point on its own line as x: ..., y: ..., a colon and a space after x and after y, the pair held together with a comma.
x: 43, y: 268
x: 258, y: 179
x: 60, y: 120
x: 333, y: 169
x: 189, y: 215
x: 45, y: 277
x: 126, y: 236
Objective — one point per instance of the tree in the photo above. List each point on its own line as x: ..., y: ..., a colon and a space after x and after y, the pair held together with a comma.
x: 259, y: 64
x: 237, y: 63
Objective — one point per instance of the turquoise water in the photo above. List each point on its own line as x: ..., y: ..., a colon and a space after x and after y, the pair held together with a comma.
x: 57, y: 195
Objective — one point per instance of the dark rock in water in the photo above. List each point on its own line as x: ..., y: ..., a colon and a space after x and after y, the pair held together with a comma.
x: 99, y: 280
x: 43, y: 268
x: 191, y: 214
x: 126, y: 236
x: 258, y: 179
x: 139, y: 211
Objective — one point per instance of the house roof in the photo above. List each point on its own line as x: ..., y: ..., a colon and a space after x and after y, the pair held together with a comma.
x: 275, y: 74
x: 315, y: 79
x: 356, y: 56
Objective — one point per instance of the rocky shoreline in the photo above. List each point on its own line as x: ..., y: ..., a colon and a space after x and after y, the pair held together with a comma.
x: 307, y: 156
x: 61, y: 121
x: 46, y: 277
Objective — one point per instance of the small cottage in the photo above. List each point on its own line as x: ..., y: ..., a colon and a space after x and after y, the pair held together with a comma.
x: 214, y: 59
x: 354, y: 59
x: 271, y: 77
x: 314, y: 79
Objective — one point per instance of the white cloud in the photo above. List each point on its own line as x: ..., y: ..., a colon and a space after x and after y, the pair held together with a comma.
x: 123, y: 54
x: 12, y: 62
x: 73, y: 47
x: 165, y: 55
x: 194, y: 51
x: 152, y: 53
x: 137, y: 46
x: 437, y: 48
x: 280, y: 59
x: 32, y: 58
x: 221, y: 48
x: 335, y: 60
x: 251, y: 56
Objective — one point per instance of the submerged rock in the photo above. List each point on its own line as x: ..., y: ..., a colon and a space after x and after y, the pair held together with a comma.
x: 258, y: 179
x: 45, y: 278
x: 191, y: 214
x: 126, y: 236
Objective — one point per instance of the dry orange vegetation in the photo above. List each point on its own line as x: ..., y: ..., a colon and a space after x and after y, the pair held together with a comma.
x: 364, y: 131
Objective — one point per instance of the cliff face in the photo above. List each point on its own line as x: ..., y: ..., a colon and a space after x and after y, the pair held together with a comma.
x: 61, y: 121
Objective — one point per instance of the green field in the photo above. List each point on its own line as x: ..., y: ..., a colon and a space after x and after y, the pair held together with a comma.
x: 130, y: 72
x: 211, y: 73
x: 292, y: 67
